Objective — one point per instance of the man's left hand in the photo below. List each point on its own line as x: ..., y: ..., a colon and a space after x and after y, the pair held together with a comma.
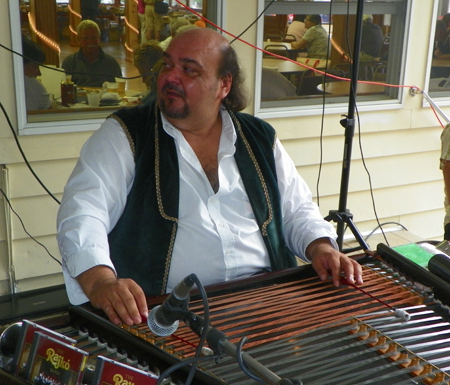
x: 326, y: 259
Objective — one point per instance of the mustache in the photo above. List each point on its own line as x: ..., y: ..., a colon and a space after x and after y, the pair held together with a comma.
x: 173, y: 87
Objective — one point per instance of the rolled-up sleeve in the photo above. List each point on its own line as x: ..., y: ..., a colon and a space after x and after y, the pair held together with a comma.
x: 93, y: 201
x: 303, y: 222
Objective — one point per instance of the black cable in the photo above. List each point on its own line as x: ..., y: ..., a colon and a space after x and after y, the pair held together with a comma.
x: 322, y: 122
x: 242, y: 364
x: 186, y: 362
x: 24, y: 228
x: 359, y: 135
x: 62, y: 70
x: 23, y: 154
x: 205, y: 329
x: 383, y: 224
x: 368, y: 175
x: 246, y: 29
x: 197, y: 358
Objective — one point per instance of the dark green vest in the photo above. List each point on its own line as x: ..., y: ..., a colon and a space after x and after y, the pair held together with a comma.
x: 142, y: 241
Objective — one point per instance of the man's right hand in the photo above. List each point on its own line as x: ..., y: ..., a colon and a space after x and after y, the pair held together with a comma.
x: 122, y: 300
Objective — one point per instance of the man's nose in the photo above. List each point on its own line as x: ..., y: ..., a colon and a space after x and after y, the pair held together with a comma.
x: 173, y: 74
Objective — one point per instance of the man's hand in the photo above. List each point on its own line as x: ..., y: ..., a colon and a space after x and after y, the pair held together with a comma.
x: 122, y: 300
x: 325, y: 258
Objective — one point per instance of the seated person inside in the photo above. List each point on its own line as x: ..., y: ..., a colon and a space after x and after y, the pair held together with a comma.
x: 187, y: 184
x: 145, y: 57
x: 36, y: 95
x: 91, y: 66
x: 275, y: 86
x: 315, y: 39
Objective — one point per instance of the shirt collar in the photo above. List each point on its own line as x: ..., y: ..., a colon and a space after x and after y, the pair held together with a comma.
x: 228, y: 131
x: 101, y: 55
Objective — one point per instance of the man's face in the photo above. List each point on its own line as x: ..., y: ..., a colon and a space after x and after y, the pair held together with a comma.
x: 308, y: 23
x: 89, y: 41
x: 32, y: 70
x: 188, y: 85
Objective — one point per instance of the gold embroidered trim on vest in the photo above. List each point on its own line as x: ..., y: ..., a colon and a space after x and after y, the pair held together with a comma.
x: 258, y: 171
x: 126, y: 132
x: 160, y: 204
x: 168, y: 260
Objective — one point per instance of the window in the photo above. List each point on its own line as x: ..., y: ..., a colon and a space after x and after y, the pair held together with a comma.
x: 52, y: 28
x: 286, y: 86
x: 439, y: 78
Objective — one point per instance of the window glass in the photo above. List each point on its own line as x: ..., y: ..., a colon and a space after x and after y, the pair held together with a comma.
x: 439, y: 82
x: 53, y: 32
x: 320, y: 35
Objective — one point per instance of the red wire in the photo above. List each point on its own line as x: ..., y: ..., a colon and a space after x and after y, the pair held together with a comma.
x: 296, y: 62
x: 185, y: 341
x: 345, y: 282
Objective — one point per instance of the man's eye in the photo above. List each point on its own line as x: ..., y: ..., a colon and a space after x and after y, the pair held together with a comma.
x: 190, y: 71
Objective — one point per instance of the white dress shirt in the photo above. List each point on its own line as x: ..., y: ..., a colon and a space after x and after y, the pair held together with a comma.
x: 217, y: 238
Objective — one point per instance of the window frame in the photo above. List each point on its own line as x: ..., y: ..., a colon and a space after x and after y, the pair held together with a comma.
x: 441, y: 98
x: 68, y: 121
x: 293, y: 108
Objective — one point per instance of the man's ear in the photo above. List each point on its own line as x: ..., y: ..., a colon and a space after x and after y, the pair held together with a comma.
x: 225, y: 85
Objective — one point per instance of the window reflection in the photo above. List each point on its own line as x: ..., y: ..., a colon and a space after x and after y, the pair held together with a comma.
x: 52, y: 25
x: 439, y: 84
x: 301, y: 36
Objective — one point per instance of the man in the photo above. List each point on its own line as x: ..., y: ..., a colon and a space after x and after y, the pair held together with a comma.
x: 275, y: 86
x: 445, y: 167
x: 145, y: 57
x: 141, y: 15
x: 153, y: 21
x: 184, y: 185
x: 89, y: 9
x: 175, y: 24
x: 371, y: 40
x: 442, y: 33
x: 90, y: 66
x: 315, y: 39
x: 297, y: 28
x: 37, y: 96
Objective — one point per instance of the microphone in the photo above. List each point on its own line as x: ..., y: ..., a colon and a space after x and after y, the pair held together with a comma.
x: 163, y: 320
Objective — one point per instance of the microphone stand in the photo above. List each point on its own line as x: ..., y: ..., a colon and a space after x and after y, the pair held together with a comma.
x: 343, y: 216
x: 220, y: 344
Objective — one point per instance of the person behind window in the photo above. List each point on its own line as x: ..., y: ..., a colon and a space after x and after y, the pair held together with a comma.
x: 142, y: 25
x: 371, y: 40
x: 441, y: 51
x: 89, y: 9
x: 200, y: 23
x: 175, y: 23
x: 145, y: 57
x: 275, y: 86
x: 91, y: 66
x: 153, y: 21
x: 297, y: 28
x: 445, y: 167
x: 441, y: 40
x: 315, y: 39
x: 36, y: 95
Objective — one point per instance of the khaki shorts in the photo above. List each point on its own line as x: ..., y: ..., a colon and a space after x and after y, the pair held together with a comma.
x: 153, y: 21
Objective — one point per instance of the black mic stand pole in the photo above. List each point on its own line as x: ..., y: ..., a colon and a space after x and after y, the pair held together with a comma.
x: 343, y: 216
x: 220, y: 344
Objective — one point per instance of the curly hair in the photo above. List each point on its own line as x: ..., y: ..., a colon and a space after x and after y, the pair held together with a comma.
x: 145, y: 58
x: 236, y: 100
x: 87, y: 24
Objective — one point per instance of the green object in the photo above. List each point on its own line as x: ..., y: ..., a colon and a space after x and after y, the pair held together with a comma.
x: 414, y: 253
